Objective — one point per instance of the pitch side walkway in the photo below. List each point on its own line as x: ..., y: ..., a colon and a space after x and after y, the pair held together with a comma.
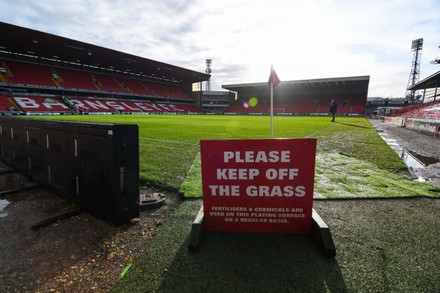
x: 383, y: 245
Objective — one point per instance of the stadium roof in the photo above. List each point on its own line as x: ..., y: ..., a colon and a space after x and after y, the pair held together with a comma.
x: 338, y: 85
x: 432, y: 81
x: 23, y: 42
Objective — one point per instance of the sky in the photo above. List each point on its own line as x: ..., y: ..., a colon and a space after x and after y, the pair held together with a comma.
x: 302, y: 39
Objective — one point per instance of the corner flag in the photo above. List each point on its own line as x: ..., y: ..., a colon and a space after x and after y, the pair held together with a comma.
x: 273, y: 78
x: 273, y: 82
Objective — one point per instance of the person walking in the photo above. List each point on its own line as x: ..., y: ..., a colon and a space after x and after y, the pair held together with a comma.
x: 333, y: 109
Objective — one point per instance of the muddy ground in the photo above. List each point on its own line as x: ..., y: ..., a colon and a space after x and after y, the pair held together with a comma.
x: 424, y: 147
x: 79, y: 254
x: 85, y: 254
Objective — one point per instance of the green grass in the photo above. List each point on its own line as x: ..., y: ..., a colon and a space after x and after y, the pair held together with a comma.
x: 352, y: 159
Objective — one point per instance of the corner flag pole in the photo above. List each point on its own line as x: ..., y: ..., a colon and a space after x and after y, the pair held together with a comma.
x: 273, y: 82
x: 271, y: 110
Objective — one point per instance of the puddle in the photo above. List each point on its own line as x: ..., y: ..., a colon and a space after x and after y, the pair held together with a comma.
x: 3, y: 204
x: 412, y: 160
x: 417, y: 161
x: 426, y: 161
x: 9, y: 181
x: 14, y: 181
x: 391, y: 142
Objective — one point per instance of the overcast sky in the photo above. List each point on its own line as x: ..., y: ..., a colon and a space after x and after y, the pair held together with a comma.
x: 303, y: 39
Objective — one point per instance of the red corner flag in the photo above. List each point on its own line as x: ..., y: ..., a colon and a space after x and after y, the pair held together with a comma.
x: 273, y: 78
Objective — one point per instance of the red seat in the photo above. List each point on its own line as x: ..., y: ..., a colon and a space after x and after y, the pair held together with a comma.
x: 27, y: 73
x: 41, y: 104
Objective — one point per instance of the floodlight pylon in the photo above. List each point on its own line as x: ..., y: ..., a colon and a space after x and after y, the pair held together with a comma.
x: 414, y: 74
x: 208, y: 71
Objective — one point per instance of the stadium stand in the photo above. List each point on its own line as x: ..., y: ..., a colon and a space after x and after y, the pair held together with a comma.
x: 92, y: 105
x: 106, y: 105
x: 150, y: 107
x: 75, y: 79
x: 157, y: 89
x: 63, y: 104
x: 178, y: 92
x: 56, y: 74
x: 184, y: 108
x: 41, y: 104
x: 304, y: 97
x: 28, y: 74
x: 302, y: 105
x: 424, y: 117
x: 107, y: 83
x: 124, y: 106
x: 65, y: 78
x: 134, y: 86
x: 241, y: 108
x: 7, y: 104
x: 34, y: 74
x: 430, y: 110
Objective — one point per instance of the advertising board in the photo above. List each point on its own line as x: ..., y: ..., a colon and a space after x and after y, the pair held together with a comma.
x: 258, y: 185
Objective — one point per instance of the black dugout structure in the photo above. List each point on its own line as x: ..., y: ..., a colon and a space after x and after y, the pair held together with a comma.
x: 95, y: 165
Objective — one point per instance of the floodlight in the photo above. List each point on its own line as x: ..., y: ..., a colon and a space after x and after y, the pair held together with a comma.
x: 436, y: 60
x: 417, y: 44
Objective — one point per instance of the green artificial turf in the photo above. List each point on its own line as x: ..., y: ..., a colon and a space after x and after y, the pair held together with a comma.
x: 385, y: 245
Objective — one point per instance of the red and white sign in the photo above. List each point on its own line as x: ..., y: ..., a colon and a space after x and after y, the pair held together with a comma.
x: 261, y: 185
x: 53, y: 104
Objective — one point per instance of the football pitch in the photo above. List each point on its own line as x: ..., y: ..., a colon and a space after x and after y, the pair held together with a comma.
x: 352, y: 160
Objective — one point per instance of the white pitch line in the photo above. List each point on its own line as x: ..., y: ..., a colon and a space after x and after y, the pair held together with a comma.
x: 170, y: 141
x: 321, y: 130
x: 196, y: 144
